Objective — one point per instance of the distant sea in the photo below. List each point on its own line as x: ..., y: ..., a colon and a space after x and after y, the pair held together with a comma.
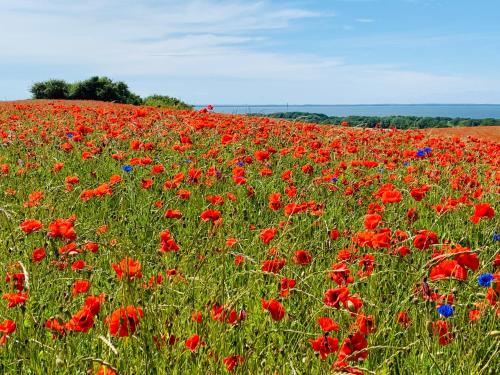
x: 474, y: 111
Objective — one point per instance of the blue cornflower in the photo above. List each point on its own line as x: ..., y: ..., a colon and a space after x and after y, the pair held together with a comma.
x: 420, y: 153
x: 381, y: 170
x: 187, y: 161
x: 334, y: 180
x: 127, y: 168
x: 496, y: 236
x: 445, y: 310
x: 70, y: 135
x: 240, y: 163
x: 427, y: 150
x: 406, y: 163
x: 485, y: 279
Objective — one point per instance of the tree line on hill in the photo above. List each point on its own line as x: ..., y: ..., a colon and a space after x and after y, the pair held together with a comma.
x: 102, y: 89
x: 399, y: 122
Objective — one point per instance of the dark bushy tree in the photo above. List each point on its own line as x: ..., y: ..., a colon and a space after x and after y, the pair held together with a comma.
x: 51, y: 89
x: 104, y: 89
x: 94, y: 88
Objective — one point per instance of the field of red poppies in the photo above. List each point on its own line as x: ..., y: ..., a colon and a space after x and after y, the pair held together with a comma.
x: 136, y: 240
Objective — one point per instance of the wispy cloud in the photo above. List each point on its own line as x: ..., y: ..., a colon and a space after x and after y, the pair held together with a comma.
x: 364, y: 20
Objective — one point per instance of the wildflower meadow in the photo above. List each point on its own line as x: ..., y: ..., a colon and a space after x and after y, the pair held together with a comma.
x: 139, y: 240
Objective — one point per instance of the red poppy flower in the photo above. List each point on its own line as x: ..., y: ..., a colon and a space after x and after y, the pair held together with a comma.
x: 197, y: 316
x: 209, y: 214
x: 325, y: 345
x: 367, y: 263
x: 365, y: 324
x: 78, y: 265
x: 82, y: 321
x: 333, y: 297
x: 273, y: 265
x: 92, y: 247
x: 469, y: 260
x: 341, y: 275
x: 105, y: 371
x: 327, y: 324
x: 7, y: 327
x: 424, y: 239
x: 230, y: 242
x: 93, y: 303
x: 156, y: 169
x: 167, y: 242
x: 80, y: 286
x: 285, y: 285
x: 261, y: 155
x: 38, y: 255
x: 123, y: 321
x: 302, y: 257
x: 224, y: 314
x: 353, y: 304
x: 30, y: 225
x: 372, y: 221
x: 442, y: 329
x: 448, y: 268
x: 232, y: 361
x: 482, y: 210
x: 391, y: 196
x: 239, y: 259
x: 215, y: 199
x: 15, y: 299
x: 127, y: 267
x: 274, y: 307
x: 184, y: 194
x: 267, y: 235
x: 115, y: 179
x: 69, y: 249
x: 334, y: 234
x: 146, y: 183
x: 419, y: 193
x: 193, y: 342
x: 352, y: 348
x: 275, y: 201
x: 411, y: 214
x: 403, y: 319
x: 381, y: 239
x: 62, y: 228
x: 17, y: 279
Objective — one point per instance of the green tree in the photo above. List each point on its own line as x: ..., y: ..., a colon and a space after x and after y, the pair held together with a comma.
x: 103, y: 89
x: 164, y: 101
x: 51, y: 89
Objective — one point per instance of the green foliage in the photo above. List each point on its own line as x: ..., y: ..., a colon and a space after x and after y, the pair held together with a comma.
x: 103, y: 89
x: 164, y: 101
x: 399, y: 122
x: 94, y: 88
x: 51, y: 89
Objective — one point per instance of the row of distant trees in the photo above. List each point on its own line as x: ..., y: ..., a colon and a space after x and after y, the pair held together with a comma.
x: 400, y: 122
x: 102, y: 89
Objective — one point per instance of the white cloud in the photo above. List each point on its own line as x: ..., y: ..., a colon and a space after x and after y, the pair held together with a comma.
x: 364, y: 20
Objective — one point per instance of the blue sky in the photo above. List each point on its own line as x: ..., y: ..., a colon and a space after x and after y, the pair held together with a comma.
x: 260, y: 52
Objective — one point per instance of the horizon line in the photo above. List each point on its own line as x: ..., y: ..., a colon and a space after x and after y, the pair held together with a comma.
x: 341, y: 105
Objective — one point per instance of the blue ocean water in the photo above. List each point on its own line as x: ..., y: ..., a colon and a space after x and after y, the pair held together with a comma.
x: 475, y: 111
